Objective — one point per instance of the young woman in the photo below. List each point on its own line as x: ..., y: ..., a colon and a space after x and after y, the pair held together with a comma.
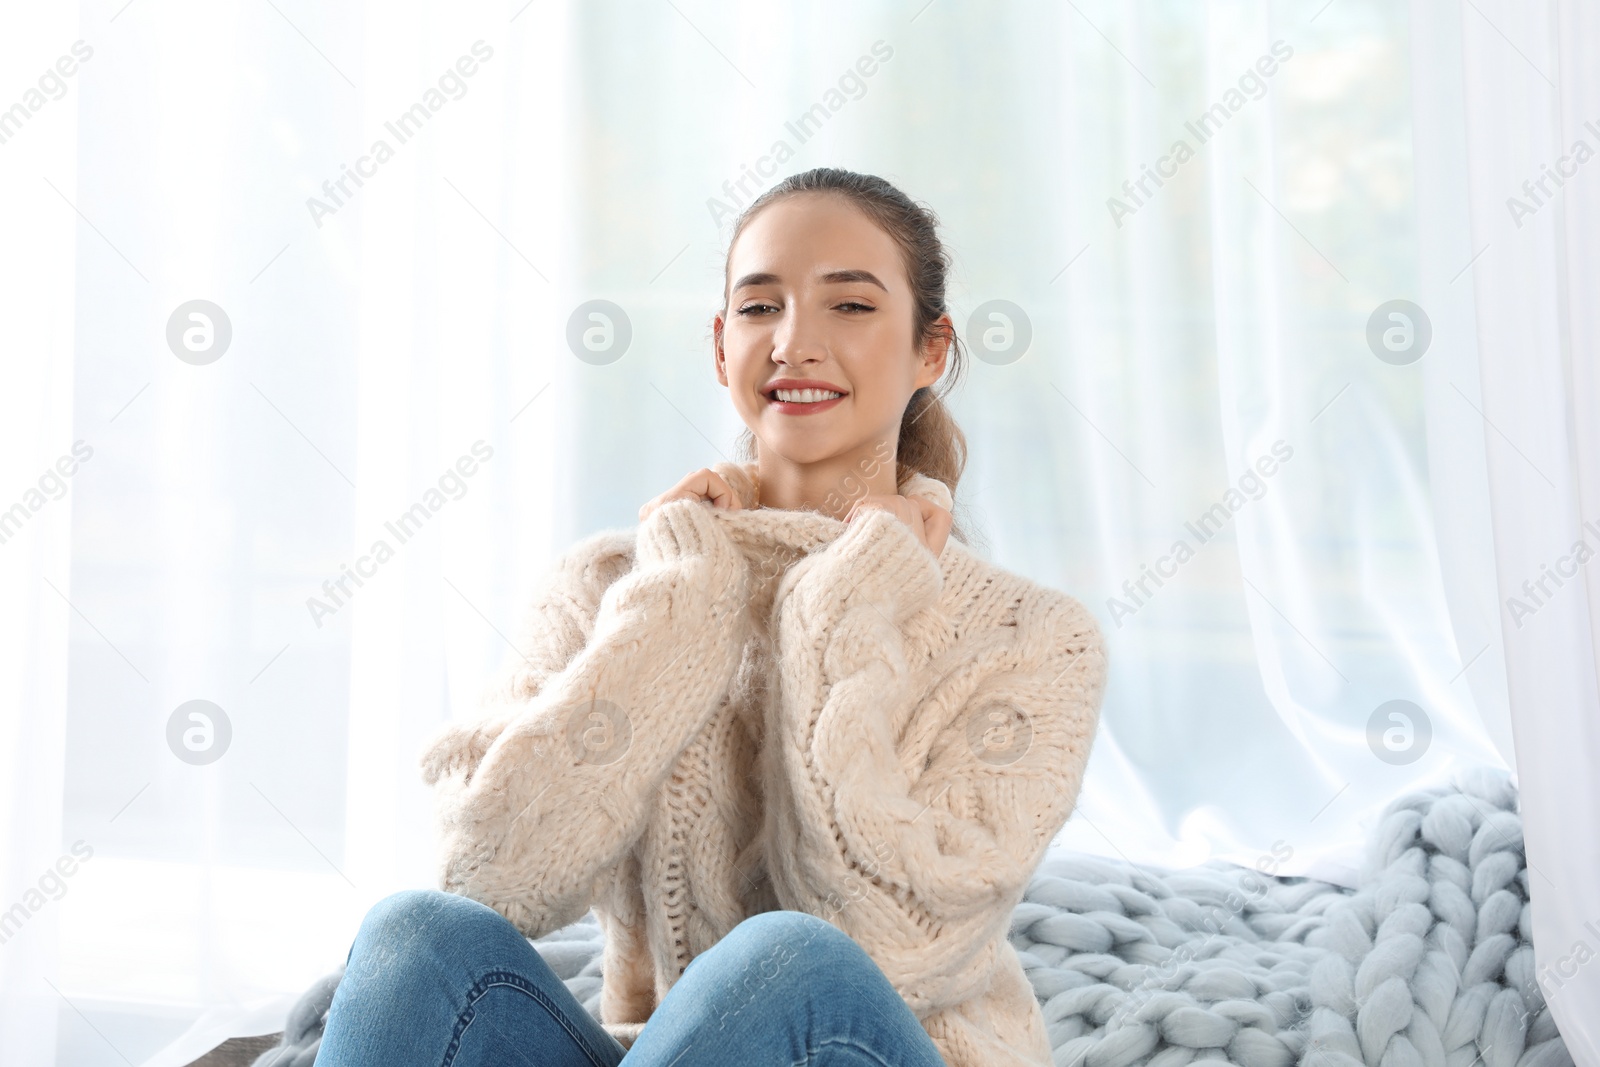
x: 798, y: 748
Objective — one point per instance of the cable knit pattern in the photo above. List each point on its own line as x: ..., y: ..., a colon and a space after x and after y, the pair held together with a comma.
x: 600, y: 736
x: 768, y: 708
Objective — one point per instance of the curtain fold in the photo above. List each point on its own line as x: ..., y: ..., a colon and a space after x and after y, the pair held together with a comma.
x: 1532, y: 101
x: 1272, y: 577
x: 39, y: 466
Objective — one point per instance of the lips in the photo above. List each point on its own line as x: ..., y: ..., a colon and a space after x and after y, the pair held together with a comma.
x: 802, y: 407
x: 800, y: 383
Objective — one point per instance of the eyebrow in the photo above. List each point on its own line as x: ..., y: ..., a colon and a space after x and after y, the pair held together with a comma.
x: 832, y: 277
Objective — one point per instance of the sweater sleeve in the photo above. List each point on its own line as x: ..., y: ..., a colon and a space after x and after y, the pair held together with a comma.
x: 922, y: 864
x: 562, y: 789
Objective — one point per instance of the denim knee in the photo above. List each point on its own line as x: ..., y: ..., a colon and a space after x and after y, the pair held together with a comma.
x: 425, y: 920
x: 786, y: 922
x: 783, y: 934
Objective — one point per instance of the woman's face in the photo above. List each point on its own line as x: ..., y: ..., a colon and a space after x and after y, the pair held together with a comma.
x: 819, y: 293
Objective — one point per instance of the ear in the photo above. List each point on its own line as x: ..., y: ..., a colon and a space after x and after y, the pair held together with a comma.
x: 936, y: 351
x: 719, y: 358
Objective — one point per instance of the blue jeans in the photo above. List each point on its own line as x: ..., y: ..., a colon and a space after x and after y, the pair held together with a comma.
x: 435, y: 979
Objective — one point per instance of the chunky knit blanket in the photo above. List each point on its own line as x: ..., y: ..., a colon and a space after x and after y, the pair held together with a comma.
x: 1427, y: 964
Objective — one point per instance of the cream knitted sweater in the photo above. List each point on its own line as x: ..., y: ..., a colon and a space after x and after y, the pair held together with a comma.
x: 719, y: 714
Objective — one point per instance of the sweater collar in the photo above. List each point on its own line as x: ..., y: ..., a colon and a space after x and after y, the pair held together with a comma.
x: 798, y: 527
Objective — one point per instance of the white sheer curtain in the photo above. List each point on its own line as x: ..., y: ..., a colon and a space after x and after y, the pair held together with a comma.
x: 36, y: 428
x: 1532, y: 98
x: 598, y: 152
x: 1226, y: 315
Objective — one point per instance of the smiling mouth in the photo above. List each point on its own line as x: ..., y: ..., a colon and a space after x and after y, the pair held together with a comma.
x: 802, y: 396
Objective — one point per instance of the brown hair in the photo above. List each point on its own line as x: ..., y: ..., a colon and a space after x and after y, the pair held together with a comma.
x: 930, y: 442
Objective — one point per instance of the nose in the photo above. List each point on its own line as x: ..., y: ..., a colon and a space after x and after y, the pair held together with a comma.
x: 798, y: 339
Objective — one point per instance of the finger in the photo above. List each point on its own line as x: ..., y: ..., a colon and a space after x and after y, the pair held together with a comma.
x: 703, y: 484
x: 717, y: 490
x: 863, y: 505
x: 706, y: 484
x: 934, y: 515
x: 679, y: 494
x: 918, y: 518
x: 937, y: 523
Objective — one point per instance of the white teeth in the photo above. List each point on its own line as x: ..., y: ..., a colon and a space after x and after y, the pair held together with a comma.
x: 804, y: 396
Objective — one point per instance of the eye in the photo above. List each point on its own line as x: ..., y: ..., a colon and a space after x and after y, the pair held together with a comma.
x: 855, y: 304
x: 748, y: 308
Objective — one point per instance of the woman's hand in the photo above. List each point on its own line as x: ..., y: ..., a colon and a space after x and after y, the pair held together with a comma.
x: 703, y: 484
x: 927, y: 520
